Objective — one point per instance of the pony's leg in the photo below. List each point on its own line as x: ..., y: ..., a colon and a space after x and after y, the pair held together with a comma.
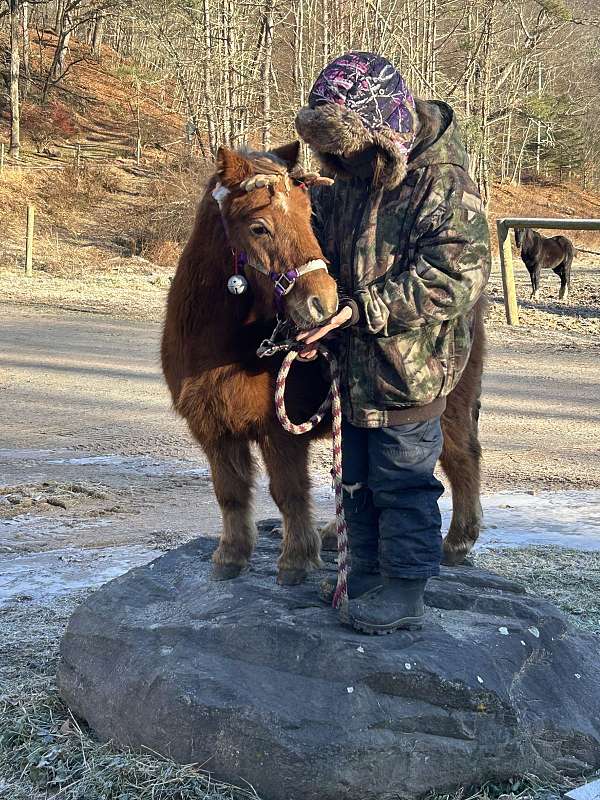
x: 568, y: 263
x: 564, y: 273
x: 535, y: 282
x: 233, y: 468
x: 563, y: 291
x: 460, y: 460
x: 531, y: 278
x: 286, y: 459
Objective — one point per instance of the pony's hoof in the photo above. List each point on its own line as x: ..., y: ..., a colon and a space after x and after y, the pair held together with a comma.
x: 225, y: 572
x: 291, y: 577
x: 456, y: 558
x: 329, y: 537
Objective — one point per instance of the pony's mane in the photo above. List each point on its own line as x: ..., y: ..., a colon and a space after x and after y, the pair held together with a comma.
x: 269, y: 164
x: 265, y: 163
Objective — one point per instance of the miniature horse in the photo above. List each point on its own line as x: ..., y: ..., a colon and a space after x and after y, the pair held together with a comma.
x: 541, y: 252
x: 258, y: 205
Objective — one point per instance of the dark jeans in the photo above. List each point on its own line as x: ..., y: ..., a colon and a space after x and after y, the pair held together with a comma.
x: 391, y: 498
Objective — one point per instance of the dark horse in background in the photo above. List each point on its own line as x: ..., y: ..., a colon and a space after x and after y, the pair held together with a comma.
x: 546, y: 252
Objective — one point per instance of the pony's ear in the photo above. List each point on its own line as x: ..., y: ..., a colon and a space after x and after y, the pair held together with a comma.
x: 288, y: 153
x: 232, y: 168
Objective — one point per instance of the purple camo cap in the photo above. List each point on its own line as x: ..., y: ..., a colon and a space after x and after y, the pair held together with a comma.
x: 371, y: 86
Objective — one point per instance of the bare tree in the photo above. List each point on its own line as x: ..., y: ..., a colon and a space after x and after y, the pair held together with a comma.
x: 267, y: 67
x: 15, y: 64
x: 98, y: 33
x: 26, y: 47
x: 237, y: 71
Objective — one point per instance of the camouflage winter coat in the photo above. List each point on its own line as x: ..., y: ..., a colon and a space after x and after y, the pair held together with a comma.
x: 411, y: 252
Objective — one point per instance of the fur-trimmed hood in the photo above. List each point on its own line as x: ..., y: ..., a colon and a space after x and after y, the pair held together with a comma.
x: 336, y: 134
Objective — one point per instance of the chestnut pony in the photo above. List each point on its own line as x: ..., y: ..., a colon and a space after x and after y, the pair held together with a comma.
x: 257, y: 205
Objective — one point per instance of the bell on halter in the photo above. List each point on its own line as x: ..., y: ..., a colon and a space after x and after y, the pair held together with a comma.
x: 237, y: 284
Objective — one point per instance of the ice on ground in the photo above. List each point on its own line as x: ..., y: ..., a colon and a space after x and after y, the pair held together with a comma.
x: 519, y: 519
x: 43, y: 576
x: 175, y: 501
x: 139, y: 464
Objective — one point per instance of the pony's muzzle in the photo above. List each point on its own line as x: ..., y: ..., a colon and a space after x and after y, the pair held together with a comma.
x: 313, y: 300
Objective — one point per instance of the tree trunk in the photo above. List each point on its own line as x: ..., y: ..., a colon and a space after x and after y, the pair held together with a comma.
x: 62, y: 46
x: 97, y: 35
x: 15, y: 64
x: 299, y: 75
x: 58, y: 18
x: 326, y: 32
x: 209, y: 104
x: 266, y: 73
x: 26, y: 48
x: 538, y: 143
x: 483, y: 172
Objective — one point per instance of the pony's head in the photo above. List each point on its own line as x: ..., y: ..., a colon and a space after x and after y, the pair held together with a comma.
x: 520, y: 234
x: 266, y: 213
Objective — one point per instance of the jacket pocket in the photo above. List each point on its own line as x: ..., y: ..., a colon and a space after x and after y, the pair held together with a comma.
x: 406, y: 369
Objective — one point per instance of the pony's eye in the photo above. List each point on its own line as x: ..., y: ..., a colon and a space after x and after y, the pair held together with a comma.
x: 258, y: 229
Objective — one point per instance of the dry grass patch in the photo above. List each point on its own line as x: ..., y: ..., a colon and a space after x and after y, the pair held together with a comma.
x: 569, y: 578
x: 73, y: 188
x: 46, y: 752
x: 169, y: 208
x: 547, y: 200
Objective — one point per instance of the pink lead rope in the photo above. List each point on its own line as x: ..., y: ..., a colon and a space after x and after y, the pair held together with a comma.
x: 331, y: 401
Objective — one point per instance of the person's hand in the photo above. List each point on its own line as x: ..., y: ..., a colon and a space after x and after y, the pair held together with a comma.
x: 310, y: 337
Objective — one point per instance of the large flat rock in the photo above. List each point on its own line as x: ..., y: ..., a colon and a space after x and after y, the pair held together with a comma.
x: 262, y: 684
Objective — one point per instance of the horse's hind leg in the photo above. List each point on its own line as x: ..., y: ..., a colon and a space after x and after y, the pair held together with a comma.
x: 564, y: 273
x: 460, y: 460
x: 286, y: 459
x: 461, y: 454
x: 233, y: 468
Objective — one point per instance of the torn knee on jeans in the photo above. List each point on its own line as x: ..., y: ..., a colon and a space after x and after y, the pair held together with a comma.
x: 351, y: 488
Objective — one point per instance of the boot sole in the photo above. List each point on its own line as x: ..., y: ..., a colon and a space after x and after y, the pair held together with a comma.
x: 404, y: 624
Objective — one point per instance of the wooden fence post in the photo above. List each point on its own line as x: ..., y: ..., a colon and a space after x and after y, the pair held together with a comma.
x: 1, y: 158
x: 78, y: 157
x: 508, y: 276
x: 138, y: 150
x: 29, y: 241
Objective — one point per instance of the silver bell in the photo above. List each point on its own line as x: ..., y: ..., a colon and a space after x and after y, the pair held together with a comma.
x: 237, y: 284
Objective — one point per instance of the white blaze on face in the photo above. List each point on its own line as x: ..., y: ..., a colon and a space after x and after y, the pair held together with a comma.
x: 280, y: 199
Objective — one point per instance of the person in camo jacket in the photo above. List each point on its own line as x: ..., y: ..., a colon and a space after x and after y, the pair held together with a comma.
x: 406, y: 234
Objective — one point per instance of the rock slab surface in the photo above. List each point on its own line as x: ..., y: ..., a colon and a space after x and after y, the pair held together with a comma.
x: 262, y: 684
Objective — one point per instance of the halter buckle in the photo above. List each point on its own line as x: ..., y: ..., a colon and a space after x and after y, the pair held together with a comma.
x: 283, y: 282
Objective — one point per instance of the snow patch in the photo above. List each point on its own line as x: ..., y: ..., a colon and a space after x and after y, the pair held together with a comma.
x: 55, y: 573
x: 519, y: 519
